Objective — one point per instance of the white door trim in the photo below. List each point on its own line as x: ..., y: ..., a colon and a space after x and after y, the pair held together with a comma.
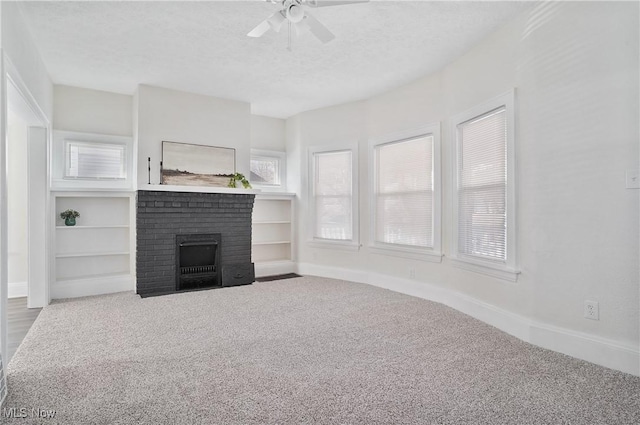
x: 40, y: 294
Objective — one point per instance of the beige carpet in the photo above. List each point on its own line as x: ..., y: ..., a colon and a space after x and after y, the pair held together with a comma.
x: 298, y: 351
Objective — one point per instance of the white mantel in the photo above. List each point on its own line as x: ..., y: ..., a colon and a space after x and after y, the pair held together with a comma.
x: 202, y: 189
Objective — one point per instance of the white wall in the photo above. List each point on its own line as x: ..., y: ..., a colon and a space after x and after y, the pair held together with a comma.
x: 92, y: 111
x: 19, y: 47
x: 577, y: 133
x: 169, y: 115
x: 268, y: 133
x: 17, y: 192
x: 96, y: 115
x: 23, y: 60
x: 3, y: 220
x: 343, y: 124
x: 294, y: 151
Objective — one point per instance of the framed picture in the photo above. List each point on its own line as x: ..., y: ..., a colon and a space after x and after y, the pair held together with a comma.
x: 184, y: 164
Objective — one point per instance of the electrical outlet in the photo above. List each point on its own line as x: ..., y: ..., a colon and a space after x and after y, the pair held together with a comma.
x: 412, y: 273
x: 591, y: 310
x: 633, y: 179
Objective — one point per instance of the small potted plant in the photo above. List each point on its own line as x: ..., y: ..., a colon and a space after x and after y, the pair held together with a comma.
x: 241, y: 178
x: 69, y: 217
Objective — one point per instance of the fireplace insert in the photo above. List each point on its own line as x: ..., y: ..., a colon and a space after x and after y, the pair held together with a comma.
x: 198, y: 261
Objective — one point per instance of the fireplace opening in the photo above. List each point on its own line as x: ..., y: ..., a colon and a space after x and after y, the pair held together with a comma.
x: 198, y: 262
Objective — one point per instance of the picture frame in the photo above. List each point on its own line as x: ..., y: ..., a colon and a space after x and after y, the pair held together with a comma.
x: 186, y: 164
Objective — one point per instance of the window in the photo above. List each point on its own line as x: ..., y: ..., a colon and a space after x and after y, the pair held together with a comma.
x: 268, y: 169
x: 92, y: 160
x: 482, y: 186
x: 86, y: 161
x: 406, y: 194
x: 484, y: 168
x: 265, y: 170
x: 333, y: 191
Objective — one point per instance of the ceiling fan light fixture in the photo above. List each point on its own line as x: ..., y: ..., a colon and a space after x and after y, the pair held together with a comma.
x: 295, y: 13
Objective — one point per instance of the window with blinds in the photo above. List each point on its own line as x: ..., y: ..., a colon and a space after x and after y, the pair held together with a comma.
x: 268, y: 170
x: 265, y: 170
x: 482, y: 186
x: 333, y: 195
x: 404, y: 192
x: 91, y: 160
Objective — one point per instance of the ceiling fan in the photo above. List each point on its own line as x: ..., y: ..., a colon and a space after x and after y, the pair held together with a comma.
x: 293, y: 13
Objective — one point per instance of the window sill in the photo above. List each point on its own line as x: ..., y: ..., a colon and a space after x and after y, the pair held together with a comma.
x: 270, y: 189
x: 407, y: 252
x: 84, y: 189
x: 330, y: 244
x: 494, y: 270
x: 274, y: 195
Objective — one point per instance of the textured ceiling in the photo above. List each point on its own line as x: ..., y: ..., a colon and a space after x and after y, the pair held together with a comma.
x: 202, y: 47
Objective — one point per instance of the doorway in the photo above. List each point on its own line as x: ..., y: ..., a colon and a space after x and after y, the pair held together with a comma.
x: 27, y: 206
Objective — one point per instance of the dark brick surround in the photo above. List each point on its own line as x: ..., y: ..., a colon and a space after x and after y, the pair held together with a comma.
x: 163, y: 215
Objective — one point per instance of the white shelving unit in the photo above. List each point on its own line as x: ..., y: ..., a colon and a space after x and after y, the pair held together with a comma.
x: 272, y: 245
x: 97, y: 255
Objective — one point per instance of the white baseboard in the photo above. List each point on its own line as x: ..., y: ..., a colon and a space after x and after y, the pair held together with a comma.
x: 594, y: 349
x: 272, y: 268
x: 92, y: 286
x: 333, y: 272
x: 17, y: 289
x: 612, y: 354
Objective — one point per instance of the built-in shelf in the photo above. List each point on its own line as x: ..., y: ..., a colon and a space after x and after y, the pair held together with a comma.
x: 94, y: 256
x: 272, y: 247
x: 95, y: 276
x: 109, y: 226
x: 90, y: 254
x: 270, y: 243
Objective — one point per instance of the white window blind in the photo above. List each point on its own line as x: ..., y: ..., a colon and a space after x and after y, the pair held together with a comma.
x: 265, y: 170
x: 404, y: 184
x: 333, y: 195
x: 482, y: 186
x: 89, y: 160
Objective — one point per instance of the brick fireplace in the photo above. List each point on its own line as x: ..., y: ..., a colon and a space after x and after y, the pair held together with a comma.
x: 165, y: 220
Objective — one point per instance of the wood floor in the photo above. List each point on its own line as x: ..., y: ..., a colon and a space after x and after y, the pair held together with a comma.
x: 20, y: 320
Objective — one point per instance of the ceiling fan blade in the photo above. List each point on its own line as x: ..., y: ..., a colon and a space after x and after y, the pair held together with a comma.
x: 301, y: 27
x: 318, y: 29
x: 276, y: 20
x: 260, y: 29
x: 325, y: 3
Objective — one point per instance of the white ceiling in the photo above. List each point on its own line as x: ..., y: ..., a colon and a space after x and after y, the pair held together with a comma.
x: 202, y: 47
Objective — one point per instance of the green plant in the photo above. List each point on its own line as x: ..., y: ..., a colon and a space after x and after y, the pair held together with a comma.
x: 241, y: 178
x: 69, y: 214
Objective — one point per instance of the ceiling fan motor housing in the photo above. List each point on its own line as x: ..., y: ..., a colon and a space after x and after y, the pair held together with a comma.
x: 294, y: 11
